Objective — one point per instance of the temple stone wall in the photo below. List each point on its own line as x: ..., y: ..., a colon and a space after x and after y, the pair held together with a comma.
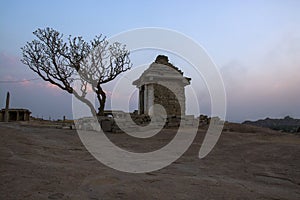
x: 170, y: 101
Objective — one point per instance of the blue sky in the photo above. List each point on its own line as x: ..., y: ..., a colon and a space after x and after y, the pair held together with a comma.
x: 255, y: 44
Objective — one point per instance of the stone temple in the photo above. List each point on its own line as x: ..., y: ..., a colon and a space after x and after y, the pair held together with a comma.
x: 162, y: 83
x: 13, y: 114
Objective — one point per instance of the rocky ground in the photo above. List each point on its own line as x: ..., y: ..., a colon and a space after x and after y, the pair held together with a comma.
x: 247, y: 163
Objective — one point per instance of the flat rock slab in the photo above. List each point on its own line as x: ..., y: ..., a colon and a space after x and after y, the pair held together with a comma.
x: 49, y: 163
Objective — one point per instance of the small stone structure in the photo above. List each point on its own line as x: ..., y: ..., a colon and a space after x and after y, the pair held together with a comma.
x: 162, y: 83
x: 13, y: 114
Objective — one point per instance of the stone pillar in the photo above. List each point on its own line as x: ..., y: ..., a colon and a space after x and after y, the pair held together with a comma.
x: 6, y: 115
x: 148, y: 99
x: 141, y: 99
x: 26, y: 116
x: 18, y: 115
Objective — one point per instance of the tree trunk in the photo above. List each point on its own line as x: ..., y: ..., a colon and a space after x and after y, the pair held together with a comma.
x: 101, y: 96
x: 87, y: 102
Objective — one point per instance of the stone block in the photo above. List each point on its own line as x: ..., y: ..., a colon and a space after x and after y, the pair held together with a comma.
x: 106, y: 125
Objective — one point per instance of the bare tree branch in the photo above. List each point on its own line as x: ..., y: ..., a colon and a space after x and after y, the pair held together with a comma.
x: 58, y: 62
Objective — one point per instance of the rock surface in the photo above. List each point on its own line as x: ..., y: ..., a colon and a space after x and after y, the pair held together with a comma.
x: 247, y: 163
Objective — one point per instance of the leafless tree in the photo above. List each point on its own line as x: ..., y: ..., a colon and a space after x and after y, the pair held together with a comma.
x: 58, y: 62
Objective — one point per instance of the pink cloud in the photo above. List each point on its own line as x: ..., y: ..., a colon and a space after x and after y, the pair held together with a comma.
x: 269, y: 86
x: 51, y: 86
x: 25, y: 83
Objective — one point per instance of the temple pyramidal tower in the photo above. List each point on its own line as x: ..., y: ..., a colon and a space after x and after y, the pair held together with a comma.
x: 162, y: 83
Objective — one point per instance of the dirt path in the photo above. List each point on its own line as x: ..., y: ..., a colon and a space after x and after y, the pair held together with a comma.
x: 48, y: 163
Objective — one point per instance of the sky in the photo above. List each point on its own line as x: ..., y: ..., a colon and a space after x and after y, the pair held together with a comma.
x: 254, y: 44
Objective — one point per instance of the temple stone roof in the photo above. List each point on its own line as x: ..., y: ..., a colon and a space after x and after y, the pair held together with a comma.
x: 162, y: 70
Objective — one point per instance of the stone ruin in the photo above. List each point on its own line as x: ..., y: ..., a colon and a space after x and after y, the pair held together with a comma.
x: 162, y: 83
x: 13, y: 114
